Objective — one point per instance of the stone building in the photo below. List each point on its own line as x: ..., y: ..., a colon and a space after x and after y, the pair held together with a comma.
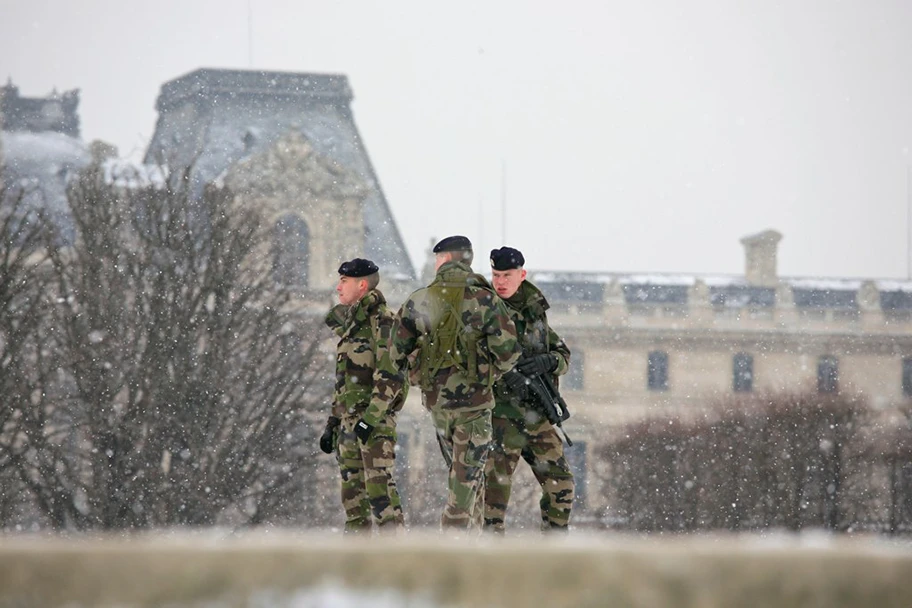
x: 663, y: 343
x: 288, y: 143
x: 40, y: 147
x: 56, y: 113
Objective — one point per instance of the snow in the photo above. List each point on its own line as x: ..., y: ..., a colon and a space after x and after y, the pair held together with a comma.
x: 825, y: 284
x: 129, y: 174
x: 39, y: 148
x: 713, y: 280
x: 657, y: 279
x: 287, y: 569
x: 893, y: 285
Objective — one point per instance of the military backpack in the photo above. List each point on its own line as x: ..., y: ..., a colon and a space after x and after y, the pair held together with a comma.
x: 451, y: 342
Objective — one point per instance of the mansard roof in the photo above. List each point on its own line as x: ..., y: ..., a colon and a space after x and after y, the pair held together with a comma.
x: 215, y: 118
x: 212, y: 83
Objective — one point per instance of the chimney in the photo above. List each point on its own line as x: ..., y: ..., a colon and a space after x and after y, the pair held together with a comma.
x: 760, y: 258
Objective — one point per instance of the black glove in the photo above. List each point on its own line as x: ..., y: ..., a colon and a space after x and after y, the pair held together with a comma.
x: 329, y: 435
x: 536, y: 365
x: 517, y: 383
x: 363, y: 430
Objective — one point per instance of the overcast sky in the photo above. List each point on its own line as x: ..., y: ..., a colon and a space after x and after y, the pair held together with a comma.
x: 644, y: 136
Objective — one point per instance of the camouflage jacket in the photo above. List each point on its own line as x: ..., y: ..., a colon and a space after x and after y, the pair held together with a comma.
x: 364, y: 331
x: 482, y: 312
x: 527, y: 308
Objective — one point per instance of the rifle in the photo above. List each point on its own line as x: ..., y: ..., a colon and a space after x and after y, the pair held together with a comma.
x: 551, y: 404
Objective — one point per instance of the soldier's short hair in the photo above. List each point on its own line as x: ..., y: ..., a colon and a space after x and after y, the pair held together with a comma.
x: 460, y: 248
x: 466, y: 257
x: 372, y: 280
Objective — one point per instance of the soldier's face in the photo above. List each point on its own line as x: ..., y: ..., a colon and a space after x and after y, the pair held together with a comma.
x: 506, y: 282
x: 440, y: 259
x: 350, y: 290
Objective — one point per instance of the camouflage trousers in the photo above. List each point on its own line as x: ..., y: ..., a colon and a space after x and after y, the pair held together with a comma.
x: 369, y: 492
x: 464, y: 438
x: 537, y: 441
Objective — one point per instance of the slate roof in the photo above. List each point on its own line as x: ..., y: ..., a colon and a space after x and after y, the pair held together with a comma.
x: 824, y: 298
x: 221, y: 116
x: 724, y: 291
x: 647, y: 293
x: 742, y: 296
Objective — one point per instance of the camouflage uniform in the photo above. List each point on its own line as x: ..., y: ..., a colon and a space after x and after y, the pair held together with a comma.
x: 460, y: 400
x: 521, y: 430
x: 368, y: 488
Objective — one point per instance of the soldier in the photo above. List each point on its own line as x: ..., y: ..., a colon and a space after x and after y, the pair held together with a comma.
x: 459, y: 338
x: 520, y: 429
x: 365, y: 452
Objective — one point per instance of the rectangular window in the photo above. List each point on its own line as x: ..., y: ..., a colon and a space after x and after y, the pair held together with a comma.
x: 828, y: 375
x: 402, y: 467
x: 657, y: 371
x: 576, y: 458
x: 743, y: 373
x: 574, y: 379
x: 907, y: 377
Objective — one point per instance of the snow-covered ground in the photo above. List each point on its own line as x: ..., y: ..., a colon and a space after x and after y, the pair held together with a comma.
x: 288, y: 569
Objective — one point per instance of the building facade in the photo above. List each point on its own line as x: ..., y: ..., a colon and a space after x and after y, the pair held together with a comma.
x: 657, y: 344
x: 40, y: 147
x: 288, y: 143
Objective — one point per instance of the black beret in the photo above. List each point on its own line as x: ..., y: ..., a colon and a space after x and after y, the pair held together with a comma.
x: 453, y: 243
x: 358, y: 268
x: 507, y: 258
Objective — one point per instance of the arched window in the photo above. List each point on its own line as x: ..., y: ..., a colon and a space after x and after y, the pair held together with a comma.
x: 291, y: 251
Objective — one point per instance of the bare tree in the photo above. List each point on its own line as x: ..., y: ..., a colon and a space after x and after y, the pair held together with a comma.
x: 186, y: 377
x: 790, y: 461
x: 23, y: 348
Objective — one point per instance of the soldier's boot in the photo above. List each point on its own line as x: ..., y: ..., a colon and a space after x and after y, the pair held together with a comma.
x: 389, y: 521
x: 357, y: 527
x: 555, y: 528
x: 494, y: 526
x: 390, y: 527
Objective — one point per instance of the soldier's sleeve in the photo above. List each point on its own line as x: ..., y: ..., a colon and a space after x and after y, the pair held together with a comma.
x: 501, y: 332
x: 335, y: 318
x: 389, y: 375
x: 557, y: 347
